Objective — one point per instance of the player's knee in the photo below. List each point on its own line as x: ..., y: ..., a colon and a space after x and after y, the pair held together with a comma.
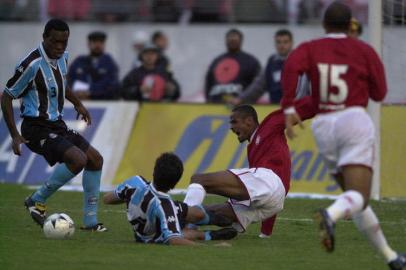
x: 80, y: 161
x: 97, y: 161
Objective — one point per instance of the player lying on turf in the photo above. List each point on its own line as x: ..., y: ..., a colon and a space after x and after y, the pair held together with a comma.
x: 155, y: 217
x: 258, y: 192
x: 344, y: 73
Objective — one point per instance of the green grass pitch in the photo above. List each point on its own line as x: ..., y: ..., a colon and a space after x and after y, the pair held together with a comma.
x: 294, y: 244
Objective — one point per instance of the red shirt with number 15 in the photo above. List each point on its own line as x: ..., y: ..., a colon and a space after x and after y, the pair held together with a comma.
x: 343, y: 72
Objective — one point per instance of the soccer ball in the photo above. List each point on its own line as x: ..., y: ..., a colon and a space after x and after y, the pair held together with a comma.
x: 58, y: 226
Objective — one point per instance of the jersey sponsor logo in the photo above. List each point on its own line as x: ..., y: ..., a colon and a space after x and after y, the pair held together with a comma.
x: 258, y: 140
x: 171, y: 219
x: 20, y: 69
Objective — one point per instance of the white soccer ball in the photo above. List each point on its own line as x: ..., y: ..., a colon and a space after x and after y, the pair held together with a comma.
x: 59, y: 226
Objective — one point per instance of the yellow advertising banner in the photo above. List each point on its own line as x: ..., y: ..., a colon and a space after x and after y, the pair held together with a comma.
x: 393, y: 151
x: 199, y: 134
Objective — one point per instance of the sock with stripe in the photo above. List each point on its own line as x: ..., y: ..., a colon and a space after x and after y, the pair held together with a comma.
x: 367, y: 223
x: 91, y: 190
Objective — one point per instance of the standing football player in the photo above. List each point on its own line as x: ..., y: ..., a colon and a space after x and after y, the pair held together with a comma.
x: 40, y: 82
x: 344, y: 73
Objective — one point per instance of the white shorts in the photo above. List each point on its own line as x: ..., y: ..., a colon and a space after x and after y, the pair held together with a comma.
x: 345, y: 138
x: 267, y: 195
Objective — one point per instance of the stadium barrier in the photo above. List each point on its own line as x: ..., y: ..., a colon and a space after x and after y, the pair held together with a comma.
x: 130, y: 139
x: 109, y: 132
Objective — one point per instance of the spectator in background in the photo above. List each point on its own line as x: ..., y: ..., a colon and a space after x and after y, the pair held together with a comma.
x: 140, y: 38
x: 355, y: 30
x: 231, y: 72
x: 150, y: 82
x: 94, y: 76
x: 160, y: 40
x: 270, y: 79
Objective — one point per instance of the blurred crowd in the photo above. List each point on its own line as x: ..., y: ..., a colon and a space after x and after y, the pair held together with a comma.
x: 233, y: 77
x: 181, y: 11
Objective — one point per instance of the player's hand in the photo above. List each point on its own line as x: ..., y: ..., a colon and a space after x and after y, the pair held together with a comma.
x: 16, y: 144
x: 84, y: 113
x: 291, y: 120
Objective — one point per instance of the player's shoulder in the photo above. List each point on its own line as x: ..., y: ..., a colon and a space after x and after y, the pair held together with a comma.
x: 30, y: 59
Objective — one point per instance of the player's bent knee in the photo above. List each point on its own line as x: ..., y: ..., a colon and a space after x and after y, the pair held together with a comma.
x: 95, y: 160
x: 75, y: 159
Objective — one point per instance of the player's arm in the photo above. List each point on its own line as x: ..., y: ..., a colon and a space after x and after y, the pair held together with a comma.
x: 377, y: 81
x: 15, y: 87
x: 81, y: 110
x: 7, y: 109
x: 296, y: 64
x: 180, y: 241
x: 111, y: 198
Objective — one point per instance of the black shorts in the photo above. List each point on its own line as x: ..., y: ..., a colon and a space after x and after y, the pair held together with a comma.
x: 51, y: 139
x: 181, y: 213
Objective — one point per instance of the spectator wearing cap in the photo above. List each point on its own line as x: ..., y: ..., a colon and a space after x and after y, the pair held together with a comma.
x: 94, y: 76
x: 150, y: 82
x: 140, y: 39
x: 161, y: 41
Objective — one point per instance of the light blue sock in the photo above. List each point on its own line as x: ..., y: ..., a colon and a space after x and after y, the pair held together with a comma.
x: 207, y: 236
x: 59, y: 177
x: 206, y: 218
x: 91, y: 190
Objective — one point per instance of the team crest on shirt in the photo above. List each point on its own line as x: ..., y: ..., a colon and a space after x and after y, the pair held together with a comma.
x: 20, y: 69
x: 258, y: 140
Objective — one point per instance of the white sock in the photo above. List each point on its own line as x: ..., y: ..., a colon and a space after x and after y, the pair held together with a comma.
x: 367, y: 223
x: 195, y: 194
x: 346, y: 205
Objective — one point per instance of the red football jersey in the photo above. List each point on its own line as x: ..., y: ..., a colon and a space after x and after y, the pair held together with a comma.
x: 343, y: 72
x: 268, y: 147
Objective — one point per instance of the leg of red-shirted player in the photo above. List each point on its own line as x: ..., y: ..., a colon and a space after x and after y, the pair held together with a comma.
x: 267, y: 227
x: 367, y: 223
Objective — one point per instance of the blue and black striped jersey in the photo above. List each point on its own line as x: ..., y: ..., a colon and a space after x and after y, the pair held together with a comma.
x: 40, y: 82
x: 152, y: 214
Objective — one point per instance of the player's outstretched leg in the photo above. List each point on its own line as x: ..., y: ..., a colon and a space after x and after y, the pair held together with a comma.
x: 367, y: 223
x: 91, y: 191
x: 35, y: 203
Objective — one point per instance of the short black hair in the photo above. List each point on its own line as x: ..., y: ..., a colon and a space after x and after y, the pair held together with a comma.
x: 55, y: 24
x: 246, y: 111
x: 337, y: 16
x: 284, y: 32
x: 167, y: 171
x: 97, y: 36
x: 156, y: 35
x: 235, y: 31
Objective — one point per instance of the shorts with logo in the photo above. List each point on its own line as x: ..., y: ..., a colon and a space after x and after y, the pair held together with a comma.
x: 267, y: 196
x: 51, y: 139
x: 345, y: 137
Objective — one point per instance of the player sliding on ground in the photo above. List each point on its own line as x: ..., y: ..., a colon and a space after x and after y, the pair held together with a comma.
x: 155, y: 217
x: 40, y: 82
x: 344, y: 72
x: 258, y: 192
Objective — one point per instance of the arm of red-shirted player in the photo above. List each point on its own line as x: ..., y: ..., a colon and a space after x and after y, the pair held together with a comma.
x: 377, y: 81
x: 296, y: 64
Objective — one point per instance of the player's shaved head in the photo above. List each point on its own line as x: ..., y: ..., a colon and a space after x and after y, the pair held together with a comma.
x: 167, y: 171
x: 245, y: 111
x: 337, y: 17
